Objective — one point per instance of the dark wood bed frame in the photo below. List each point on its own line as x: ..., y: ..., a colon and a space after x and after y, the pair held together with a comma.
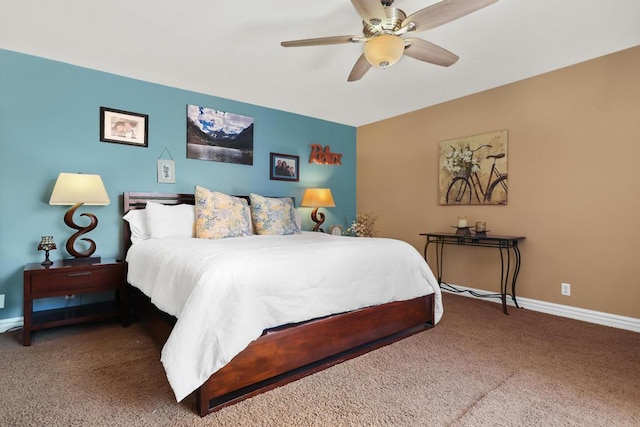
x: 288, y: 352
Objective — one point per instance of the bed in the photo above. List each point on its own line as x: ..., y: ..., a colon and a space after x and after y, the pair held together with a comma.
x: 284, y: 350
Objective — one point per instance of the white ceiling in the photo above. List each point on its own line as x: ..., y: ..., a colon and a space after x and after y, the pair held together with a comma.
x: 231, y: 48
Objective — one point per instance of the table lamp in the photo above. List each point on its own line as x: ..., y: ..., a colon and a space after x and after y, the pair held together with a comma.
x: 77, y: 189
x: 317, y: 198
x: 47, y: 244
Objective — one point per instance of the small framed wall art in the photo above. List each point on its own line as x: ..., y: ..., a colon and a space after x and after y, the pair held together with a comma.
x: 124, y: 127
x: 284, y: 167
x: 166, y: 171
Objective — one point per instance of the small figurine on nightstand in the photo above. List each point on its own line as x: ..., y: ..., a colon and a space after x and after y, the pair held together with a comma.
x: 47, y: 244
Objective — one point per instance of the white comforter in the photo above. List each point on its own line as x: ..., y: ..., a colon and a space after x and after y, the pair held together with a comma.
x: 225, y: 292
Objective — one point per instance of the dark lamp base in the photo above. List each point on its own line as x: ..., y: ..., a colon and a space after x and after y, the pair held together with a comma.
x: 318, y: 218
x: 47, y: 262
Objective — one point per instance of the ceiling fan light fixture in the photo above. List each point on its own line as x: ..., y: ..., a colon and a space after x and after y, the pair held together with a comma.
x: 384, y: 50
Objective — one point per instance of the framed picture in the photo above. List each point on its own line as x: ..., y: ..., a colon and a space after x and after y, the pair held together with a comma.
x: 219, y: 136
x: 166, y: 171
x: 124, y: 127
x: 335, y: 230
x: 284, y: 167
x: 473, y: 170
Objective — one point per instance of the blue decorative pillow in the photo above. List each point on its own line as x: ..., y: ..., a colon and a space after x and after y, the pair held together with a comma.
x: 274, y: 216
x: 219, y: 215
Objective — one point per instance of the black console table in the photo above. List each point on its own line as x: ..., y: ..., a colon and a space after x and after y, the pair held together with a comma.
x: 508, y: 246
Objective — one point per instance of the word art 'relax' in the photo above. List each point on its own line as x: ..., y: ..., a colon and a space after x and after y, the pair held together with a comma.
x: 324, y: 156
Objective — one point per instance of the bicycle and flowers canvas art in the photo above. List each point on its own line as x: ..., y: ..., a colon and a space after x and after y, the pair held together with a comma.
x: 473, y: 170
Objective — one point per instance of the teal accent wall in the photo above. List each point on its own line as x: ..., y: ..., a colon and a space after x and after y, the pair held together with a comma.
x: 49, y: 123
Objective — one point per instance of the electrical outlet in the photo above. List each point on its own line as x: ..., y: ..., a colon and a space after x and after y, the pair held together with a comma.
x: 68, y: 297
x: 565, y: 289
x: 2, y: 301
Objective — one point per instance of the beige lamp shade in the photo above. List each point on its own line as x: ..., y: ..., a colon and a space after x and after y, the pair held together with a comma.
x: 317, y: 198
x: 383, y: 51
x: 74, y: 188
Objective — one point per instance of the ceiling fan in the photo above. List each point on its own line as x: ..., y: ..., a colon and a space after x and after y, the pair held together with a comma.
x: 384, y: 26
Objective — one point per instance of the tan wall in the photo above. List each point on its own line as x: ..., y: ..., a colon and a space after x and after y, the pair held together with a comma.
x: 574, y: 176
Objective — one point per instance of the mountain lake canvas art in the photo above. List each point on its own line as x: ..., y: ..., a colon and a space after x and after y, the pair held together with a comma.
x: 219, y: 136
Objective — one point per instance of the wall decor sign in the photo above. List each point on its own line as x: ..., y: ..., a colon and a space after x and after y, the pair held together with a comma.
x: 284, y: 167
x: 219, y: 136
x: 324, y: 156
x: 124, y: 127
x: 166, y: 171
x: 473, y: 170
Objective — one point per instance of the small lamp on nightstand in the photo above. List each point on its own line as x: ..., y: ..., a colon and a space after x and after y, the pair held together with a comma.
x: 79, y: 189
x: 47, y: 244
x: 317, y: 198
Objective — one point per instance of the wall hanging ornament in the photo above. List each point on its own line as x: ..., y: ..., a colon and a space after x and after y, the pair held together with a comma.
x: 166, y: 169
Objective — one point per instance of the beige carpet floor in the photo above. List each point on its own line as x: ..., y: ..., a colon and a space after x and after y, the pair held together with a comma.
x: 477, y: 367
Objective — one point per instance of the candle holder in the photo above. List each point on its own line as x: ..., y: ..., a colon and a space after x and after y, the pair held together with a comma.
x: 462, y: 231
x: 481, y: 228
x: 47, y: 244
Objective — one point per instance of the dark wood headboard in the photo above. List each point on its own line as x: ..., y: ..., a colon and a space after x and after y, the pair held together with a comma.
x: 139, y: 200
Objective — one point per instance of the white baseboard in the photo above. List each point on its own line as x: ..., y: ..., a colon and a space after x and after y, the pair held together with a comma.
x: 6, y: 324
x: 591, y: 316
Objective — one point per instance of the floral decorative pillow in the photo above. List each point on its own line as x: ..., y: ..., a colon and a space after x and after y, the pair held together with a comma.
x: 219, y: 215
x: 273, y: 215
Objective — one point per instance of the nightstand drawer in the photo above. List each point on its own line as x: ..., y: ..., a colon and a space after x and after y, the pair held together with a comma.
x: 70, y: 281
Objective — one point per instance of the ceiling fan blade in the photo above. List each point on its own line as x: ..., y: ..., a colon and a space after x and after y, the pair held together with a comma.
x: 321, y: 41
x: 359, y: 69
x: 370, y: 10
x: 429, y: 52
x: 446, y: 11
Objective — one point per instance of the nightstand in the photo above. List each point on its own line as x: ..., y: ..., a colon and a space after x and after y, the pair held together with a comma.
x: 59, y: 279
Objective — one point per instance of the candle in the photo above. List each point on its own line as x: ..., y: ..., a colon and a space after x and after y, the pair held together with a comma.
x: 481, y: 226
x: 462, y: 222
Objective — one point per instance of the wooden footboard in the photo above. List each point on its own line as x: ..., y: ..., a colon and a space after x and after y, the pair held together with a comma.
x: 286, y: 354
x: 290, y: 352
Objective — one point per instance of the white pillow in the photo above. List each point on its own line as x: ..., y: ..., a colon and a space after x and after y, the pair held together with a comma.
x: 137, y: 220
x: 298, y: 218
x: 170, y: 220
